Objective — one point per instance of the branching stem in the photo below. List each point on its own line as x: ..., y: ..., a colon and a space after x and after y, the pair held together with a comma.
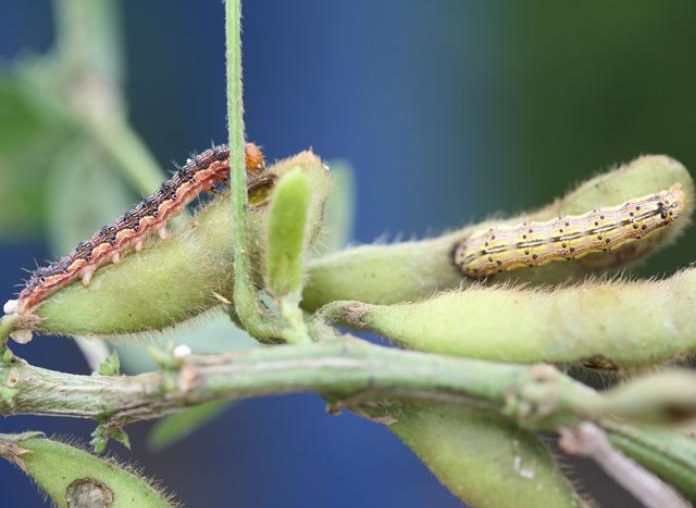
x: 539, y: 397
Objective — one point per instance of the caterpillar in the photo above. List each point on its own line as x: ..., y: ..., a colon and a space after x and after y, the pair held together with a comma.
x: 534, y: 243
x: 111, y: 243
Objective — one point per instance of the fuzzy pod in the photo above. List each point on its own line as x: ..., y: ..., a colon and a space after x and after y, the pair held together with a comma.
x: 601, y: 324
x: 409, y: 271
x: 172, y: 280
x: 72, y: 477
x: 483, y: 459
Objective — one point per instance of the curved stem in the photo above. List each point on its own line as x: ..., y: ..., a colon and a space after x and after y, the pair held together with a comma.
x: 248, y: 308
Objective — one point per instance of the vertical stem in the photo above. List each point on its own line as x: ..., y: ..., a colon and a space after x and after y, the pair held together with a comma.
x: 246, y: 305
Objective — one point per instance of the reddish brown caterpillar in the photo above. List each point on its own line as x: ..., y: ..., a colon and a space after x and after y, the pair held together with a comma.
x: 507, y: 247
x: 108, y: 245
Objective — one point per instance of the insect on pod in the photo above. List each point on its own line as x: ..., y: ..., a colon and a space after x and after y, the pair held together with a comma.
x: 111, y: 243
x: 505, y: 247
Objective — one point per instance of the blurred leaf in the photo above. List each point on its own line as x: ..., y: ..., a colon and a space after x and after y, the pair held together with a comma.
x: 340, y: 210
x: 211, y: 333
x: 29, y: 137
x: 45, y: 82
x: 176, y: 427
x: 83, y: 194
x: 89, y: 38
x: 19, y: 121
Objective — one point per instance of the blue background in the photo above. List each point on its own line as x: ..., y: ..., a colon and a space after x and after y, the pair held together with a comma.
x: 449, y: 110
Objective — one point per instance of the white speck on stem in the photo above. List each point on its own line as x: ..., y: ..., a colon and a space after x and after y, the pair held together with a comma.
x: 181, y: 351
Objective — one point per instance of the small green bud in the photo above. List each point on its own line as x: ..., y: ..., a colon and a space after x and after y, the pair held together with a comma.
x: 171, y: 429
x: 111, y: 366
x: 287, y: 222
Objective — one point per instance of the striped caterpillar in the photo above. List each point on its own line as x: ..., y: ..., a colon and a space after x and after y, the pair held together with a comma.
x: 535, y: 243
x: 108, y: 245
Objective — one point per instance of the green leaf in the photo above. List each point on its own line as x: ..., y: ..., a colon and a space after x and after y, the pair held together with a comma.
x: 100, y: 439
x: 176, y: 427
x: 120, y: 436
x: 101, y: 435
x: 19, y: 121
x: 29, y: 137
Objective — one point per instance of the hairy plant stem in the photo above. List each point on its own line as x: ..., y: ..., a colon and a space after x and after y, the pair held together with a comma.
x: 248, y: 308
x: 540, y: 397
x: 336, y: 366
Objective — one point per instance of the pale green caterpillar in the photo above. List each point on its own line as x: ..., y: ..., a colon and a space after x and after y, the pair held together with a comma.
x: 505, y: 247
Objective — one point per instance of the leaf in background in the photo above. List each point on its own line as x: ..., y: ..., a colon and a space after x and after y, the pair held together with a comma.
x: 18, y: 120
x: 82, y: 195
x: 213, y: 332
x: 176, y: 427
x: 340, y: 210
x: 89, y: 38
x: 29, y: 137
